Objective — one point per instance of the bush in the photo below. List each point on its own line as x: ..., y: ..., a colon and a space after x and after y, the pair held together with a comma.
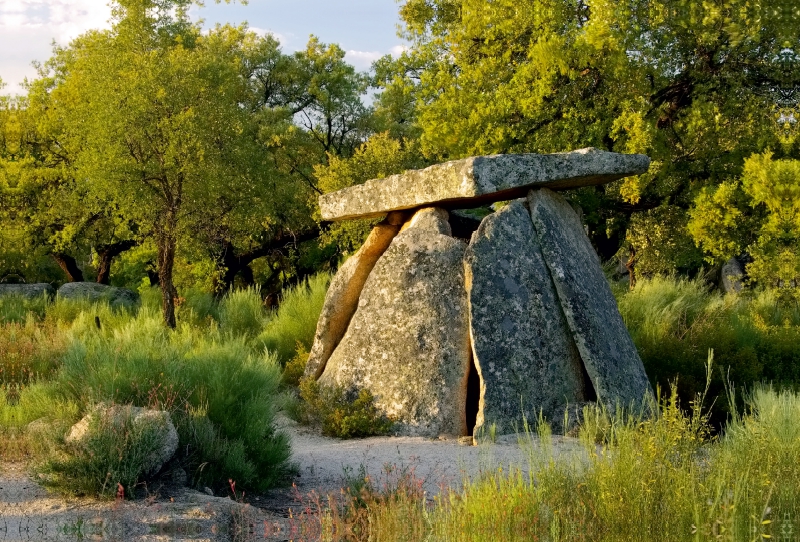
x: 339, y: 413
x: 296, y: 368
x: 296, y: 318
x: 674, y: 322
x: 241, y: 312
x: 111, y: 460
x: 222, y: 396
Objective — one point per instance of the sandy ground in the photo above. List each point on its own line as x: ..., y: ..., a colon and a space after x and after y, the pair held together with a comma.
x: 325, y: 465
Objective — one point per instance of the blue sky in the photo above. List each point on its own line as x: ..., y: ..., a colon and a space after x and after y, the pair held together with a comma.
x: 366, y: 29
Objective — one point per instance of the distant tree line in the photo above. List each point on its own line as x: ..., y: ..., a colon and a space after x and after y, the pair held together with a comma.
x: 196, y: 158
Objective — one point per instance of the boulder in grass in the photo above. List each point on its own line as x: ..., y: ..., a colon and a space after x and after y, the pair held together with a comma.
x: 28, y: 291
x: 116, y: 417
x: 92, y: 291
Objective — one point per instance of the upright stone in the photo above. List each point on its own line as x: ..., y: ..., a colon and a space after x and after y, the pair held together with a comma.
x: 733, y: 276
x: 341, y: 300
x: 608, y: 353
x: 523, y: 348
x: 408, y: 341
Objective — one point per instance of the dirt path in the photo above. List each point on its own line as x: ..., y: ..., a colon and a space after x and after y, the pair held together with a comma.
x: 28, y: 512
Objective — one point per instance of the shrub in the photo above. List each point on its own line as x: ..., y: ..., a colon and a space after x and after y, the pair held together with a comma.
x: 674, y: 322
x: 296, y: 367
x: 296, y: 318
x: 222, y: 396
x: 241, y: 312
x: 111, y: 460
x: 339, y: 413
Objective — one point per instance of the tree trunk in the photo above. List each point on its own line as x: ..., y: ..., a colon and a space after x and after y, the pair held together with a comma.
x: 106, y: 254
x: 68, y: 264
x: 166, y: 262
x: 631, y: 266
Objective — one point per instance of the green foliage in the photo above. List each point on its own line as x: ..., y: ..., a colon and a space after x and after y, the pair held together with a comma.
x: 675, y: 81
x: 379, y: 157
x: 661, y: 242
x: 340, y: 414
x: 759, y: 215
x: 296, y: 367
x: 116, y: 450
x: 657, y: 479
x: 674, y: 322
x: 241, y: 313
x: 295, y: 321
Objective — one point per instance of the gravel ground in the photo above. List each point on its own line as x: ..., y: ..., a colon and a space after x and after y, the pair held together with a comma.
x: 325, y: 465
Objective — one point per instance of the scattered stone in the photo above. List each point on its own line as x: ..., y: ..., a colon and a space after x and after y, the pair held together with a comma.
x: 28, y: 291
x: 733, y: 276
x: 207, y: 490
x: 522, y: 346
x: 473, y: 182
x: 408, y: 341
x: 116, y: 297
x: 466, y: 441
x: 341, y: 300
x: 115, y: 415
x: 608, y: 353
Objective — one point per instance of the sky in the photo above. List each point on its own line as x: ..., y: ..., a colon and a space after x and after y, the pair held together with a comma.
x: 366, y: 29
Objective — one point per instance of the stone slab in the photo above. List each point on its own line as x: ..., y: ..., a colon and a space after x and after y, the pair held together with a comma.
x: 522, y: 346
x: 607, y: 350
x: 472, y: 182
x: 408, y: 341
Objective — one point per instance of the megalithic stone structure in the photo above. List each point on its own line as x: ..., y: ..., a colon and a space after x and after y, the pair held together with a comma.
x: 451, y: 336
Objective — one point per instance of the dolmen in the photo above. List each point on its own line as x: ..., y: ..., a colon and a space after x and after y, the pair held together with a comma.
x: 454, y: 335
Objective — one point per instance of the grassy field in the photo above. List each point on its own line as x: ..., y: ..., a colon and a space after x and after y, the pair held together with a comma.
x: 715, y: 463
x: 214, y: 375
x: 661, y: 479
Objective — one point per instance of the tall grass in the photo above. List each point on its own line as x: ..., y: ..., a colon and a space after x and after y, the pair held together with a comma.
x: 241, y: 312
x: 220, y: 387
x: 675, y: 321
x: 296, y: 318
x: 657, y: 479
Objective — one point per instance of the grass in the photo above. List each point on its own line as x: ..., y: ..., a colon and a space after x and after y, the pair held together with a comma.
x: 295, y: 320
x: 664, y: 478
x: 675, y: 321
x: 213, y: 375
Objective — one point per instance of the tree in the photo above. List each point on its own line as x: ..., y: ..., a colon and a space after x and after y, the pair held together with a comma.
x: 758, y: 214
x: 159, y: 109
x: 696, y: 86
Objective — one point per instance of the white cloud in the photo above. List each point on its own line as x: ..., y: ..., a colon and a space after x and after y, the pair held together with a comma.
x: 27, y: 27
x: 398, y: 50
x: 283, y: 39
x: 362, y: 59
